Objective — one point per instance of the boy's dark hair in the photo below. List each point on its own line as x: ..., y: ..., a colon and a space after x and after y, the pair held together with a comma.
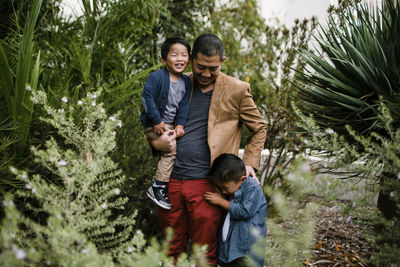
x: 209, y: 45
x: 227, y: 167
x: 170, y: 41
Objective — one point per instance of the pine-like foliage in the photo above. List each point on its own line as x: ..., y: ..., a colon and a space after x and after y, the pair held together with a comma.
x: 291, y: 226
x: 78, y: 190
x: 85, y: 183
x: 74, y: 202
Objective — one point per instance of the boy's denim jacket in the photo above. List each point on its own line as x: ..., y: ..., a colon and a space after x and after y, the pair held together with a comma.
x: 155, y: 98
x: 248, y: 214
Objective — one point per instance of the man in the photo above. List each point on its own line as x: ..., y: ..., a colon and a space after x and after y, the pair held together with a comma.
x: 219, y: 105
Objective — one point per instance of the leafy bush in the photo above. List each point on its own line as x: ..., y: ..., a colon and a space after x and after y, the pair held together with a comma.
x: 76, y: 198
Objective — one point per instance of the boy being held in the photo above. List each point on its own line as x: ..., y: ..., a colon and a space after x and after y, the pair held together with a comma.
x: 244, y: 222
x: 165, y: 100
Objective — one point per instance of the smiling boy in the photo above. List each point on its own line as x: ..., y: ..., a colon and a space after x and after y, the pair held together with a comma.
x: 165, y: 102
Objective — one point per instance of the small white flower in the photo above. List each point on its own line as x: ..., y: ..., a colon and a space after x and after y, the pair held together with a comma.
x: 60, y: 110
x: 84, y: 251
x: 391, y: 194
x: 113, y: 133
x: 119, y: 124
x: 28, y: 87
x: 160, y: 263
x: 93, y: 96
x: 58, y: 216
x: 204, y: 248
x: 9, y: 203
x: 23, y: 176
x: 33, y: 190
x: 93, y: 104
x: 130, y: 249
x: 102, y: 110
x: 398, y: 176
x: 62, y: 163
x: 80, y: 102
x: 12, y: 235
x: 255, y: 232
x: 19, y: 253
x: 112, y: 118
x: 305, y: 141
x: 48, y: 262
x: 348, y: 219
x: 34, y: 99
x: 138, y: 232
x: 28, y: 186
x: 64, y: 99
x: 104, y: 205
x: 329, y: 131
x: 353, y: 205
x: 114, y: 146
x: 117, y: 191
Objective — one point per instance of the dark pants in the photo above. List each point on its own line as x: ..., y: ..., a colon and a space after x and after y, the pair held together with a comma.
x: 191, y: 217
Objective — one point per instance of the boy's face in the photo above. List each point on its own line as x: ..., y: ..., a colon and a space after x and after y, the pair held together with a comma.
x: 177, y: 59
x: 228, y: 188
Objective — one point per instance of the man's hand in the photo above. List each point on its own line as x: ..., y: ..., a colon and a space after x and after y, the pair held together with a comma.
x: 250, y: 172
x: 159, y: 128
x: 166, y: 142
x: 179, y: 130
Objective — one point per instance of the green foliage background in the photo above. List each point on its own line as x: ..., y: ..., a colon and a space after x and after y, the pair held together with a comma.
x: 114, y: 45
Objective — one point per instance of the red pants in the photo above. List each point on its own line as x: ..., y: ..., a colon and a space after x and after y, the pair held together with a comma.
x: 191, y: 217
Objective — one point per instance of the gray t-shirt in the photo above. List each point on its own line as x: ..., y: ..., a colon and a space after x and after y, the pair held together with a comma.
x: 192, y: 152
x: 175, y: 95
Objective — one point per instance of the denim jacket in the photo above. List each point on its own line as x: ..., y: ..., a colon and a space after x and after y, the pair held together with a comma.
x: 155, y: 98
x: 248, y: 214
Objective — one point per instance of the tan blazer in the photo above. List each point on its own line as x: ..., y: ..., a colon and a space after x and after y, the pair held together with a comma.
x: 231, y: 106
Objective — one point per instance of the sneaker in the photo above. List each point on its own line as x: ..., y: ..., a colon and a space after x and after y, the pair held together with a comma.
x: 159, y: 194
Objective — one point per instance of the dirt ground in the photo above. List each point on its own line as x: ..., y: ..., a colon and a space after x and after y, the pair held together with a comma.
x: 338, y: 239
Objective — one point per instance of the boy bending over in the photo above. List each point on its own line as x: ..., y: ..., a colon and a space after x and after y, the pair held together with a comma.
x: 246, y: 212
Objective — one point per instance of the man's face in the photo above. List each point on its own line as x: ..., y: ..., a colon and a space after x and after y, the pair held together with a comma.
x: 206, y: 69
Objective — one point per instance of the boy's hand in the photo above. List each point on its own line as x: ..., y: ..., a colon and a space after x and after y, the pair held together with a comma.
x: 213, y: 197
x: 216, y: 199
x: 159, y: 128
x: 179, y: 130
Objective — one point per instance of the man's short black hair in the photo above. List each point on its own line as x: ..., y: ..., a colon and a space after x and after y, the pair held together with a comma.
x: 227, y: 167
x: 170, y: 41
x: 209, y: 45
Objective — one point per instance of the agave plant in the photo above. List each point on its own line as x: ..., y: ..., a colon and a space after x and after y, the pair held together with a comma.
x: 355, y: 66
x: 357, y: 61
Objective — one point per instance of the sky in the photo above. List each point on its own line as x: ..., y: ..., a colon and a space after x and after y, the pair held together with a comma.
x: 285, y: 10
x: 288, y: 10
